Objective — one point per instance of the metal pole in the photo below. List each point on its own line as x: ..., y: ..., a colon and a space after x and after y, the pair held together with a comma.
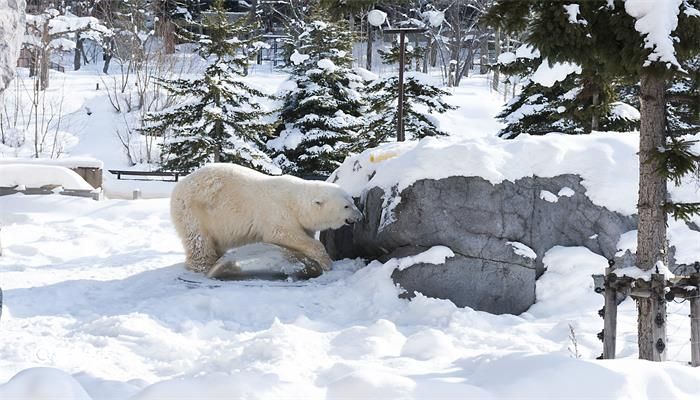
x: 399, y: 125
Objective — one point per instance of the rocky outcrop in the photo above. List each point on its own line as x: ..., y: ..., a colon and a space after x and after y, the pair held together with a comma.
x: 11, y: 33
x: 488, y: 226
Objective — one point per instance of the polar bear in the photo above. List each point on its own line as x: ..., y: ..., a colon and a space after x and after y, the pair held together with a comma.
x: 222, y: 206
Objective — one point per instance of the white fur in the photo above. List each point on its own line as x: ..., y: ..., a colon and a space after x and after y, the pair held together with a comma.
x: 222, y: 206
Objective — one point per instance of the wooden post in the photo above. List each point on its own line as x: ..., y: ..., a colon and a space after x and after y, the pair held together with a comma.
x: 695, y: 328
x: 610, y: 316
x: 400, y: 136
x: 658, y: 317
x: 136, y: 194
x: 399, y: 126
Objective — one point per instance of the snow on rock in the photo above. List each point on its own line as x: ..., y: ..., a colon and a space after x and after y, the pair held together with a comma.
x: 36, y: 176
x: 11, y: 27
x: 435, y: 255
x: 607, y: 162
x: 547, y: 75
x: 546, y: 195
x: 566, y: 192
x: 523, y: 250
x: 686, y: 242
x: 627, y: 242
x: 656, y: 21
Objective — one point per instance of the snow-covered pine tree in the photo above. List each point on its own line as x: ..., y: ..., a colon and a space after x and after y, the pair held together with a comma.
x: 653, y: 39
x: 218, y: 119
x: 321, y: 115
x: 419, y: 92
x: 576, y: 104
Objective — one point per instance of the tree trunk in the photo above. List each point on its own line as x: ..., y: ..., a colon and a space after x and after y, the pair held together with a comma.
x: 77, y: 52
x: 594, y: 111
x: 651, y: 237
x: 497, y: 47
x: 169, y: 36
x: 44, y: 57
x: 484, y: 51
x: 108, y: 55
x: 368, y: 63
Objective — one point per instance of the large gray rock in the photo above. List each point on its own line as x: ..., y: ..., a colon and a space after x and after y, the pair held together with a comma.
x: 264, y: 261
x: 476, y: 219
x: 11, y: 33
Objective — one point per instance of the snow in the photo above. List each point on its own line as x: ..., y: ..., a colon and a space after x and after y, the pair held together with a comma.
x: 36, y: 176
x: 607, y: 162
x: 68, y: 162
x: 326, y: 65
x: 627, y: 242
x: 523, y: 250
x: 297, y: 58
x: 434, y: 255
x: 548, y: 196
x: 435, y: 18
x: 656, y: 21
x: 506, y: 58
x: 573, y: 11
x: 527, y: 51
x: 620, y: 110
x: 97, y: 305
x: 548, y: 74
x: 566, y: 192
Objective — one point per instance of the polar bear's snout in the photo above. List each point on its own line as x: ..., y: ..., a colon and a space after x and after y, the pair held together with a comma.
x: 355, y: 217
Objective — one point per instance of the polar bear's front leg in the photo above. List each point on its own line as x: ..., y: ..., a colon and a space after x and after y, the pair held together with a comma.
x: 200, y: 251
x: 304, y: 244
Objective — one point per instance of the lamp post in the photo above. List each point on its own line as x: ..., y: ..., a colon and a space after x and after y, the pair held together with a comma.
x: 377, y: 18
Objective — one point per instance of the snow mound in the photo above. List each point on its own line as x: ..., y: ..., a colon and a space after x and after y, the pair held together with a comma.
x: 607, y: 162
x: 68, y: 162
x: 35, y: 176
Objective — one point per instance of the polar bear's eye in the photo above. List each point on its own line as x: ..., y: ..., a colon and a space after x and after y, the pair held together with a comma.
x: 347, y: 206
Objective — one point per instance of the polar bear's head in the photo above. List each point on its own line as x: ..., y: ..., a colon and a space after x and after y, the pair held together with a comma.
x: 332, y: 208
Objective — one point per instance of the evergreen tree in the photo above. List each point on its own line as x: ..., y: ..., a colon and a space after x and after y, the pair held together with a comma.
x: 652, y: 40
x: 218, y: 119
x: 320, y: 117
x: 383, y: 99
x: 577, y: 104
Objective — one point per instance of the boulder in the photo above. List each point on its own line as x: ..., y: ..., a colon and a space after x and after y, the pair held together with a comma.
x: 483, y: 223
x: 263, y: 261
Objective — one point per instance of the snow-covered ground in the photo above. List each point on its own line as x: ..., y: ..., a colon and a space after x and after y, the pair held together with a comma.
x: 97, y: 296
x: 92, y: 289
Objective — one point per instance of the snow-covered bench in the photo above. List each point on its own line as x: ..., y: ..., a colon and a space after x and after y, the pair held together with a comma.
x: 43, y: 179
